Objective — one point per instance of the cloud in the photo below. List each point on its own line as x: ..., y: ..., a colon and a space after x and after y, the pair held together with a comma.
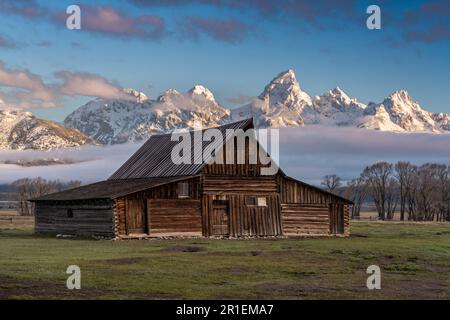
x: 44, y: 43
x: 27, y: 90
x: 95, y: 163
x: 25, y: 8
x: 307, y: 153
x: 314, y: 13
x: 230, y: 30
x: 311, y: 152
x: 88, y: 84
x: 7, y: 43
x: 109, y: 21
x: 428, y: 23
x: 21, y: 89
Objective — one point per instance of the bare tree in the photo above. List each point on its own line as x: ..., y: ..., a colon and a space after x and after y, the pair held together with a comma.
x: 331, y: 182
x: 356, y: 191
x: 443, y: 186
x: 378, y: 178
x: 404, y: 173
x: 392, y: 197
x: 27, y: 189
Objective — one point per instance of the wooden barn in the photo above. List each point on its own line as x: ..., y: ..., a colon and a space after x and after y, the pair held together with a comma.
x: 150, y: 196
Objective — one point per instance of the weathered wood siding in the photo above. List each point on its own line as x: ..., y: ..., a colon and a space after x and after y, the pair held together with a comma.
x: 93, y: 218
x: 302, y: 219
x: 244, y: 219
x: 178, y: 216
x: 167, y: 192
x: 292, y: 191
x: 309, y: 211
x: 249, y: 168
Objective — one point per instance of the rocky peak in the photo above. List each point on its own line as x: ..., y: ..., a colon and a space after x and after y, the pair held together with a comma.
x: 284, y: 91
x: 203, y: 92
x: 140, y: 96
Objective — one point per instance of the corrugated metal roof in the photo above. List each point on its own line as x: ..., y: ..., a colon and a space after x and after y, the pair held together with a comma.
x: 109, y: 189
x: 153, y: 159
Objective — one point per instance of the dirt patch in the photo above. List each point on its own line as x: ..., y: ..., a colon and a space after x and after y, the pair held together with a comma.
x: 125, y: 261
x: 184, y: 249
x: 291, y: 288
x: 12, y: 288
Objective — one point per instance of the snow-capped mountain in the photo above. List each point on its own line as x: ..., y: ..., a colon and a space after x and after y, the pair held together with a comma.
x: 21, y: 130
x: 119, y: 121
x: 399, y: 112
x: 279, y: 105
x: 335, y: 107
x: 282, y: 103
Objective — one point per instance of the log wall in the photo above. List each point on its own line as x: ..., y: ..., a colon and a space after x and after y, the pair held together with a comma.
x: 301, y: 219
x: 169, y: 192
x: 174, y: 216
x: 309, y: 211
x: 87, y: 218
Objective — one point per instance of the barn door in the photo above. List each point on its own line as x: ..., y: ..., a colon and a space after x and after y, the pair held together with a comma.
x: 336, y: 218
x: 220, y: 219
x: 135, y: 216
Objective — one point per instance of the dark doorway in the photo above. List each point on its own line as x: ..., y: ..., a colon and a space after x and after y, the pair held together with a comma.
x: 220, y: 218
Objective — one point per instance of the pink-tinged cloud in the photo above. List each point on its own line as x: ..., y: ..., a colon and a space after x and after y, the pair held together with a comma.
x: 107, y: 20
x: 24, y: 8
x: 88, y: 84
x: 231, y: 30
x: 25, y: 89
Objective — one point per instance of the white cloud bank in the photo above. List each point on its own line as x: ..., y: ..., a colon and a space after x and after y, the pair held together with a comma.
x: 306, y: 153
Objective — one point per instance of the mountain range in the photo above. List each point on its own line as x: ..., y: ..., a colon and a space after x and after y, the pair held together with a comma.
x: 282, y: 103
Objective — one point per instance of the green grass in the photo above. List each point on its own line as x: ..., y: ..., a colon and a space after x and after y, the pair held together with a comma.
x: 414, y: 261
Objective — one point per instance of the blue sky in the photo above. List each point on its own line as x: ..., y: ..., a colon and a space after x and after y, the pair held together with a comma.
x: 232, y: 47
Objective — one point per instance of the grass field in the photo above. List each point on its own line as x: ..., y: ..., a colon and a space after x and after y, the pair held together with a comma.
x: 414, y: 261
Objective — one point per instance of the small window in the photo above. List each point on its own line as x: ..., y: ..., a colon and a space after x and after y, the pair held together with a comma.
x: 262, y: 202
x: 220, y: 197
x: 250, y: 201
x: 183, y: 190
x: 69, y: 213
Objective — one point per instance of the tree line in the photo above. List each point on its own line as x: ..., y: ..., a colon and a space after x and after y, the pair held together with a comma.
x: 28, y: 188
x: 418, y: 193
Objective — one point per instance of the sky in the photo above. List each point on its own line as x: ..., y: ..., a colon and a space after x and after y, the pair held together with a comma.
x: 232, y: 47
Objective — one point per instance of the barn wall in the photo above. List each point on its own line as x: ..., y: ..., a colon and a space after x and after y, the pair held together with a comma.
x: 90, y: 218
x: 244, y: 219
x: 301, y: 219
x: 180, y: 216
x: 169, y: 192
x: 309, y: 211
